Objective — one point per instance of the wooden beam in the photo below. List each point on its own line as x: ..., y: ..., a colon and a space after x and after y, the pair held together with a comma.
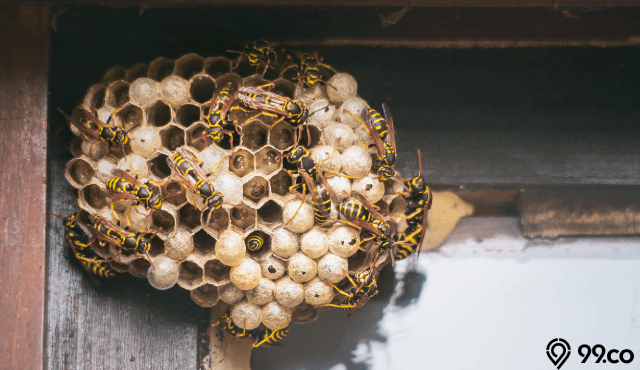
x: 23, y: 120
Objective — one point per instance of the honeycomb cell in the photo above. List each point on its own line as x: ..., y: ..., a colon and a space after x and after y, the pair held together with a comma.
x: 188, y: 114
x: 118, y: 267
x: 195, y: 136
x: 144, y: 91
x: 133, y: 164
x: 205, y: 295
x: 370, y: 187
x: 246, y: 315
x: 129, y: 116
x: 230, y: 294
x: 95, y: 98
x: 215, y: 270
x: 332, y: 268
x: 322, y: 113
x: 280, y: 183
x: 339, y: 136
x: 189, y: 65
x: 284, y: 88
x: 311, y: 94
x: 202, y: 89
x: 216, y: 159
x: 241, y: 163
x: 139, y: 268
x: 345, y: 87
x: 231, y: 186
x: 222, y: 80
x: 203, y: 244
x: 270, y: 212
x: 138, y: 218
x: 158, y: 166
x: 398, y: 205
x: 255, y: 81
x: 276, y: 316
x: 266, y: 244
x: 284, y: 243
x: 263, y: 293
x: 189, y: 217
x: 159, y: 114
x: 94, y: 149
x: 172, y: 137
x: 138, y: 71
x: 355, y: 106
x: 344, y: 241
x: 164, y: 273
x: 157, y: 247
x: 117, y: 94
x: 255, y: 135
x: 359, y: 261
x: 114, y: 74
x: 317, y: 292
x: 103, y: 168
x: 79, y: 173
x: 174, y: 193
x: 243, y: 216
x: 219, y: 220
x: 272, y: 267
x: 163, y: 219
x: 246, y: 276
x: 76, y: 143
x: 93, y: 196
x: 289, y: 293
x: 301, y: 268
x: 282, y: 136
x: 327, y: 158
x: 230, y: 248
x: 175, y: 91
x: 179, y: 244
x: 190, y: 275
x: 340, y: 185
x: 160, y: 68
x: 310, y: 136
x: 356, y: 161
x: 243, y: 68
x: 304, y: 314
x: 314, y: 243
x: 217, y: 66
x: 267, y: 160
x: 256, y: 189
x: 298, y: 216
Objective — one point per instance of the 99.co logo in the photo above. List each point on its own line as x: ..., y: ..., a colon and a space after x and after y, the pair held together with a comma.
x: 559, y: 350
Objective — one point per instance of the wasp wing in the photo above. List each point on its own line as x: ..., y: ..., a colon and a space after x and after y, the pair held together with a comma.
x: 375, y: 137
x: 368, y: 206
x: 392, y: 130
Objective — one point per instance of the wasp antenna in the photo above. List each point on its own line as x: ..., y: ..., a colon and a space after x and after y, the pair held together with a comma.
x: 56, y: 215
x: 63, y: 113
x: 317, y: 110
x: 419, y: 163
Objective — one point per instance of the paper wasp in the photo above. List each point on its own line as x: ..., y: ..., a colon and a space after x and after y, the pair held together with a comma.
x: 311, y: 68
x: 93, y: 128
x: 220, y: 104
x: 419, y: 201
x: 77, y: 239
x: 186, y: 166
x: 255, y: 241
x: 320, y: 196
x: 259, y: 52
x: 363, y: 288
x: 259, y: 337
x: 384, y: 139
x: 109, y: 233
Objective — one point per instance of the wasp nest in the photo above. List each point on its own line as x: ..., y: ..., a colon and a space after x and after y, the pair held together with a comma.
x: 163, y: 105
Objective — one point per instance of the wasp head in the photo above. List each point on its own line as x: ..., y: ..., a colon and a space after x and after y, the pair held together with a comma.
x: 121, y: 137
x: 215, y: 133
x: 296, y: 153
x: 311, y: 77
x: 385, y: 172
x: 155, y: 201
x: 215, y: 202
x: 70, y: 220
x: 143, y: 244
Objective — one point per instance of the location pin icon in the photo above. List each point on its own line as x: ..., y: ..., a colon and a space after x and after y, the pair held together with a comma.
x: 558, y: 351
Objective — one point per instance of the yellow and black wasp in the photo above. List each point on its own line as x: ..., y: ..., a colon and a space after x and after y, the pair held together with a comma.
x: 226, y: 323
x: 259, y: 53
x: 321, y: 196
x: 186, y: 166
x: 364, y: 286
x: 259, y: 337
x: 268, y: 337
x: 216, y: 117
x: 311, y: 69
x: 419, y: 201
x: 93, y: 128
x: 124, y: 186
x: 384, y: 139
x: 255, y: 241
x: 109, y: 233
x: 77, y: 239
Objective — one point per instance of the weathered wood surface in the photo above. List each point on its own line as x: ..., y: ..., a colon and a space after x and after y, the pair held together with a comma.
x: 23, y: 100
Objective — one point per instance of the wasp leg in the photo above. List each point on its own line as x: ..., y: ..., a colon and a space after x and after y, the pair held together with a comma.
x: 304, y: 188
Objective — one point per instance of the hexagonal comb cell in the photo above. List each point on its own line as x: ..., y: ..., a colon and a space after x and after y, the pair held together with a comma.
x: 243, y: 216
x: 172, y: 188
x: 129, y: 117
x: 217, y: 66
x: 190, y: 275
x: 118, y: 94
x: 115, y: 73
x: 135, y: 72
x: 270, y: 212
x: 94, y: 196
x: 172, y: 137
x: 140, y: 267
x: 241, y: 163
x: 267, y: 160
x: 189, y: 217
x: 313, y: 133
x: 280, y: 183
x: 163, y: 219
x: 282, y: 136
x: 160, y: 68
x: 304, y: 313
x: 253, y: 240
x: 189, y: 66
x: 216, y: 270
x: 159, y: 167
x: 195, y: 137
x: 159, y: 114
x: 205, y: 296
x: 225, y: 144
x: 255, y: 135
x: 358, y: 261
x: 219, y: 219
x: 255, y: 81
x: 256, y: 189
x: 157, y: 247
x: 284, y: 88
x: 243, y: 68
x: 95, y: 98
x: 204, y: 244
x: 80, y: 172
x: 188, y: 114
x: 202, y: 88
